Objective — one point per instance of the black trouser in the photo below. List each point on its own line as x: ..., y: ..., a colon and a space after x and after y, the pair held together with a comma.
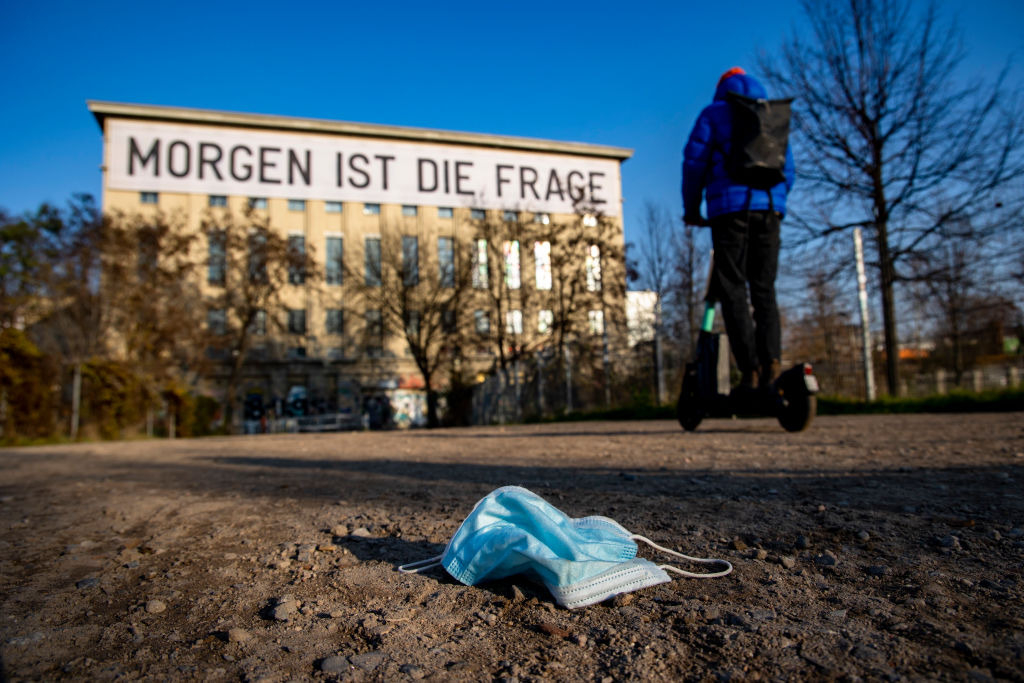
x: 747, y: 251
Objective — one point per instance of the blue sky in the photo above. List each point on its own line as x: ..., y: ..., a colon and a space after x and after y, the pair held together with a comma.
x: 627, y: 74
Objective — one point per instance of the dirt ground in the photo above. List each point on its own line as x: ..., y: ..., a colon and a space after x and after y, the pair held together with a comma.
x: 874, y: 548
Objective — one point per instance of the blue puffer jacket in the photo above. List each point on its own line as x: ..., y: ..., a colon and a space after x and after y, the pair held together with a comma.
x: 705, y: 154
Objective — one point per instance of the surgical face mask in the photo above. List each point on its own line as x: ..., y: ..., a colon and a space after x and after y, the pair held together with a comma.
x: 581, y: 561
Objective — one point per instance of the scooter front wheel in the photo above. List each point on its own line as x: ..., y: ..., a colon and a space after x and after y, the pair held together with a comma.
x: 688, y: 410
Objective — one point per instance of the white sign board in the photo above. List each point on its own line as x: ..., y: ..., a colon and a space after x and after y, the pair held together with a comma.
x: 165, y: 157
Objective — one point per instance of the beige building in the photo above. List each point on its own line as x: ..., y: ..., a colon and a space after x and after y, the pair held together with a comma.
x: 336, y: 188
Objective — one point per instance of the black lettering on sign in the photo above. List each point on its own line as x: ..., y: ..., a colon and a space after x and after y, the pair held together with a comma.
x: 210, y: 160
x: 501, y: 180
x: 420, y: 165
x: 525, y: 171
x: 384, y: 167
x: 266, y: 164
x: 459, y: 177
x: 294, y: 163
x: 447, y: 190
x: 361, y: 171
x: 184, y: 155
x: 594, y: 187
x: 337, y: 167
x: 576, y: 190
x: 554, y: 186
x: 236, y: 167
x: 135, y: 153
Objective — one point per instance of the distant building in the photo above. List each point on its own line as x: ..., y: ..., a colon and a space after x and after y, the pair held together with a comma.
x: 335, y: 186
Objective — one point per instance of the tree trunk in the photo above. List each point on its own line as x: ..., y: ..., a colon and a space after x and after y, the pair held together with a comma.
x: 892, y: 348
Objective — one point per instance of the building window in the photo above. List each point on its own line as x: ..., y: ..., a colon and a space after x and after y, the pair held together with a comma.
x: 334, y: 262
x: 149, y: 197
x: 509, y: 216
x: 371, y: 209
x: 412, y: 324
x: 542, y: 263
x: 258, y: 258
x: 216, y: 322
x: 409, y: 210
x: 259, y: 203
x: 482, y: 322
x: 258, y: 326
x: 332, y: 207
x: 596, y: 319
x: 514, y: 322
x: 545, y: 321
x: 446, y: 261
x: 410, y: 261
x: 480, y: 265
x: 374, y: 333
x: 297, y: 352
x: 296, y: 204
x: 296, y: 259
x: 448, y: 321
x: 477, y: 214
x: 373, y: 268
x: 593, y: 266
x: 216, y: 258
x: 296, y: 321
x: 444, y: 212
x: 542, y: 218
x: 218, y: 200
x: 510, y: 251
x: 335, y: 321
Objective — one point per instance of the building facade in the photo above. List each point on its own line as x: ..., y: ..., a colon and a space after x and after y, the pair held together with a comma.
x: 348, y: 193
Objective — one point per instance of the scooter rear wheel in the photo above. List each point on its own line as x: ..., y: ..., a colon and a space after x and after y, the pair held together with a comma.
x: 688, y: 410
x: 797, y: 412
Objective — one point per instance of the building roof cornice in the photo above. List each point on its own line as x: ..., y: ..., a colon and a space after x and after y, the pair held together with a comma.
x: 103, y: 110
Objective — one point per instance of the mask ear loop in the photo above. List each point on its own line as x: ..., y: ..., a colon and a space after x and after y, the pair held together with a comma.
x: 683, y: 572
x: 421, y: 565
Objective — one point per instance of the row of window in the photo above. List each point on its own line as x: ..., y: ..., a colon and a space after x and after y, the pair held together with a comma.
x: 369, y: 208
x: 216, y: 321
x: 334, y: 255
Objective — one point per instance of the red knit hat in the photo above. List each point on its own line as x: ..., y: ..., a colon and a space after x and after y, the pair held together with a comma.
x: 735, y: 71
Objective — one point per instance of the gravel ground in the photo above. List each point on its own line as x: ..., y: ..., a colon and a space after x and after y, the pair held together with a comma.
x: 869, y: 547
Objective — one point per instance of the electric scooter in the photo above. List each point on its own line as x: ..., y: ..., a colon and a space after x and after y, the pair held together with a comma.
x: 790, y: 398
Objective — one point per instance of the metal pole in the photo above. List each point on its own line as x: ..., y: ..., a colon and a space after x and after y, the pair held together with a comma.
x: 865, y: 331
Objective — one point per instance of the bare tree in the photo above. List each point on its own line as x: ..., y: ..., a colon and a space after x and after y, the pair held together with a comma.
x: 254, y: 272
x: 421, y: 294
x: 657, y: 263
x: 890, y: 137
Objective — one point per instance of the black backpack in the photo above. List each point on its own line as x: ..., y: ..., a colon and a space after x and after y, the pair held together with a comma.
x: 760, y: 135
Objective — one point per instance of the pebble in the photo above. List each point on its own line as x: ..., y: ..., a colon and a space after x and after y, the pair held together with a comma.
x: 863, y: 536
x: 334, y: 665
x: 238, y: 635
x: 802, y: 542
x: 951, y: 542
x: 340, y: 530
x: 367, y: 661
x: 760, y: 554
x: 827, y: 559
x: 90, y: 582
x: 787, y: 562
x: 412, y: 671
x: 155, y: 606
x: 738, y: 544
x: 361, y: 532
x: 877, y: 570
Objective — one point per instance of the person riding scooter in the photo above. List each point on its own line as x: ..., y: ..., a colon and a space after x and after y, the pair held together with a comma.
x: 745, y: 221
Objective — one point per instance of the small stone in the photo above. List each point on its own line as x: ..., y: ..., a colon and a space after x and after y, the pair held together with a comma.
x: 787, y: 561
x: 334, y: 665
x: 361, y: 532
x: 552, y: 630
x: 90, y: 582
x: 826, y: 559
x: 738, y: 544
x: 412, y: 671
x: 340, y: 530
x: 951, y: 542
x: 238, y: 635
x: 877, y: 570
x: 759, y: 554
x: 802, y: 542
x: 367, y: 661
x: 580, y: 639
x: 155, y: 606
x: 517, y: 594
x: 837, y: 615
x: 863, y: 536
